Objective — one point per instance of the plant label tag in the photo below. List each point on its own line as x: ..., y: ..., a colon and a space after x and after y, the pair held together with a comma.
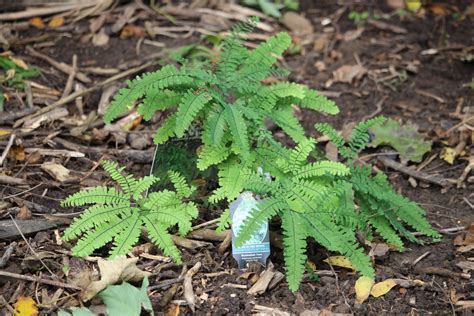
x: 257, y: 248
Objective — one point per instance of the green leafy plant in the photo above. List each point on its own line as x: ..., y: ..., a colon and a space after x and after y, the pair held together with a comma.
x: 13, y: 73
x: 273, y: 7
x: 123, y: 299
x: 118, y: 216
x: 230, y: 105
x: 359, y: 18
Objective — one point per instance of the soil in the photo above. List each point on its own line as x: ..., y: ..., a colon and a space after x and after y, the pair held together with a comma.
x: 442, y: 74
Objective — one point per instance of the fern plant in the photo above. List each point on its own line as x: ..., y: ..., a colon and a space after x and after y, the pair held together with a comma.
x: 118, y: 216
x: 230, y: 105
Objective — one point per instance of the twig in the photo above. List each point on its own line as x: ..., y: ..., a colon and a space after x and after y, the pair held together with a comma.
x: 377, y: 110
x: 31, y: 249
x: 415, y: 174
x: 443, y: 272
x: 8, y: 253
x: 205, y: 224
x: 7, y: 149
x: 188, y: 285
x: 33, y: 12
x: 70, y: 78
x: 76, y: 94
x: 165, y: 283
x: 426, y: 254
x: 338, y: 287
x: 39, y: 280
x: 430, y: 95
x: 67, y: 69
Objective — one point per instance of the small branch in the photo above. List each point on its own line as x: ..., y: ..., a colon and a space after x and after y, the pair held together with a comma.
x: 39, y: 280
x: 70, y: 79
x: 415, y: 174
x: 7, y: 149
x: 8, y: 253
x: 188, y: 285
x: 67, y: 69
x: 443, y: 272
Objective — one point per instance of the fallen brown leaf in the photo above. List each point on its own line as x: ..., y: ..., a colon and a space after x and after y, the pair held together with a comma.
x: 297, y: 23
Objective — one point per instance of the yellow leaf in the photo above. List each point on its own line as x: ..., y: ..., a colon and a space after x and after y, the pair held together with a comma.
x: 56, y: 21
x: 4, y: 132
x: 363, y: 287
x: 382, y: 288
x: 448, y: 154
x: 25, y: 306
x: 37, y: 22
x: 19, y: 62
x: 311, y: 265
x: 340, y: 261
x: 413, y: 5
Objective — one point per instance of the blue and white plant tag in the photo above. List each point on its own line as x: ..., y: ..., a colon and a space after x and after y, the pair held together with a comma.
x: 257, y: 248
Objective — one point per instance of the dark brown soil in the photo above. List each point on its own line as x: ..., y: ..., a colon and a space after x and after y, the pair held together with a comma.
x: 442, y: 74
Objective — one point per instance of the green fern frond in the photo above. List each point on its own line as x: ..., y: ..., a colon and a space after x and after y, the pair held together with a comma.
x: 100, y: 236
x: 284, y: 118
x: 166, y: 130
x: 319, y: 103
x: 94, y: 216
x: 161, y: 237
x: 232, y: 178
x: 191, y: 103
x: 300, y: 154
x: 295, y: 248
x: 157, y: 100
x: 224, y: 221
x: 320, y: 168
x: 128, y: 236
x: 211, y: 155
x: 233, y: 52
x: 126, y: 182
x: 180, y: 184
x: 167, y: 76
x: 215, y: 128
x: 265, y: 210
x: 142, y: 185
x: 238, y: 128
x: 266, y: 53
x: 97, y: 195
x: 360, y: 137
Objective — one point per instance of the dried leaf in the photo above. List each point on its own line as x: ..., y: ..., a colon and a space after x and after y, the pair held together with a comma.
x: 448, y: 154
x: 465, y: 265
x: 100, y: 39
x: 382, y: 288
x: 56, y: 21
x: 4, y: 132
x: 348, y: 73
x: 363, y: 287
x: 340, y: 261
x: 172, y: 310
x: 24, y: 213
x: 378, y: 249
x: 19, y: 62
x: 117, y: 269
x: 132, y: 30
x: 37, y: 22
x: 439, y: 9
x: 25, y: 306
x: 18, y: 152
x: 57, y: 171
x: 297, y: 23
